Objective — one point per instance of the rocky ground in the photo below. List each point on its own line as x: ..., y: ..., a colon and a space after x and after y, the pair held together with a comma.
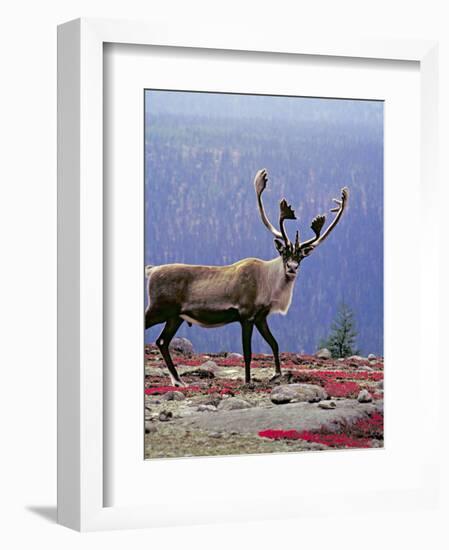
x: 319, y: 403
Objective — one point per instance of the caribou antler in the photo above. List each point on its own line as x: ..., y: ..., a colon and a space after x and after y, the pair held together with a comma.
x: 318, y: 222
x: 286, y: 214
x: 260, y: 183
x: 317, y: 225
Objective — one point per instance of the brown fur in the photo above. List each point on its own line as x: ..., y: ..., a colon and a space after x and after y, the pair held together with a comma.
x: 209, y: 295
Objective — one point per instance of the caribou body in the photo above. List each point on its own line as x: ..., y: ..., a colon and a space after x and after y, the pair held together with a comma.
x: 247, y: 291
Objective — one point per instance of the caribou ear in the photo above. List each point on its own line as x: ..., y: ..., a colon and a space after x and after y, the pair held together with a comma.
x: 279, y: 245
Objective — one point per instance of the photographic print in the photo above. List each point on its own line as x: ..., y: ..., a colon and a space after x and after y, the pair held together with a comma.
x: 263, y: 274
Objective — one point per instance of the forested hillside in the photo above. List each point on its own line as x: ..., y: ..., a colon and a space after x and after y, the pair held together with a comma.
x: 201, y: 154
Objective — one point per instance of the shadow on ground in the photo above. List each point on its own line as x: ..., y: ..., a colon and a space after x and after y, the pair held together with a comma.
x: 47, y: 512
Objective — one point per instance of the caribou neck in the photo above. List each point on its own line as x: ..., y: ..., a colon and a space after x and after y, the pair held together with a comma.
x: 280, y: 287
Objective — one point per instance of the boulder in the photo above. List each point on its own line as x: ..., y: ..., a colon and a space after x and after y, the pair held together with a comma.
x: 293, y: 393
x: 173, y: 396
x: 213, y: 399
x: 364, y: 397
x: 182, y: 345
x: 233, y: 403
x: 150, y: 427
x: 165, y: 416
x: 184, y: 410
x: 234, y: 355
x: 209, y: 365
x: 323, y: 353
x: 327, y: 405
x: 372, y: 357
x: 206, y: 408
x: 293, y: 416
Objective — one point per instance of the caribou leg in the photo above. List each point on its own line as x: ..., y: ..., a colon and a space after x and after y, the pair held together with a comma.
x: 163, y: 342
x: 247, y: 332
x: 153, y: 317
x: 265, y: 332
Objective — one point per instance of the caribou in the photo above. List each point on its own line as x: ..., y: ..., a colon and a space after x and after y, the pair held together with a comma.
x: 246, y: 292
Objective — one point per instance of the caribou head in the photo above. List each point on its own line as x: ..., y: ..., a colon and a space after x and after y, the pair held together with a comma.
x: 293, y: 253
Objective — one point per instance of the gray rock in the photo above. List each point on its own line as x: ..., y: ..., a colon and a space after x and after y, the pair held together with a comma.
x: 372, y: 357
x: 182, y: 345
x: 356, y: 358
x: 233, y: 403
x: 150, y: 427
x: 234, y: 355
x: 327, y: 405
x: 215, y: 435
x: 364, y: 397
x: 209, y: 365
x: 380, y: 385
x: 185, y: 411
x: 148, y: 413
x: 323, y: 353
x: 293, y: 416
x: 165, y: 416
x: 173, y: 396
x: 208, y: 400
x: 293, y: 393
x: 151, y: 400
x: 206, y: 408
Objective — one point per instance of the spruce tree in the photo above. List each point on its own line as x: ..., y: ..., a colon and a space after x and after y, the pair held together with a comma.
x: 342, y: 339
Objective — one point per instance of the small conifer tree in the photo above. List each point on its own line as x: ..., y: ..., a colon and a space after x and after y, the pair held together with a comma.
x: 342, y: 339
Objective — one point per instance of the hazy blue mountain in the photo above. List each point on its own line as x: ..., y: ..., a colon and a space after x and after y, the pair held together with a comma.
x: 201, y: 154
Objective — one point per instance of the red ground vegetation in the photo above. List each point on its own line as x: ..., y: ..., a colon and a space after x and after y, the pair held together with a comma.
x: 342, y: 389
x: 356, y: 435
x: 341, y: 382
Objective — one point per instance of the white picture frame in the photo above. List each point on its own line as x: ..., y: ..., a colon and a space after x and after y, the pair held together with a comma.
x: 81, y: 475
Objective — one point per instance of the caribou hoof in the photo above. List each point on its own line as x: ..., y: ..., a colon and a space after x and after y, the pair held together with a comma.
x: 279, y: 378
x: 178, y: 383
x: 276, y: 378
